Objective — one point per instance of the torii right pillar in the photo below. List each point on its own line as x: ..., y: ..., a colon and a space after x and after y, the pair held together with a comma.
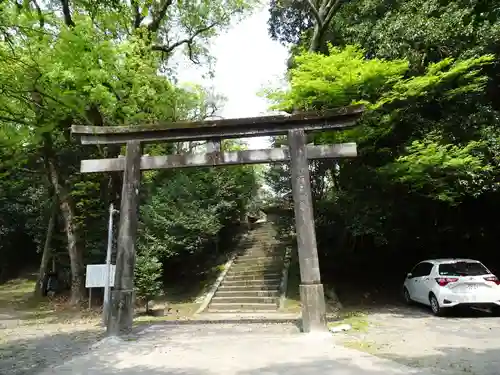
x: 311, y: 290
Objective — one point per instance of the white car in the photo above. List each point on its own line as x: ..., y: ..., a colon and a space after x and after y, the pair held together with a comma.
x: 445, y: 283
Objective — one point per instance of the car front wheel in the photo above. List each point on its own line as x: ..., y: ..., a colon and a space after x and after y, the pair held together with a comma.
x: 436, y: 309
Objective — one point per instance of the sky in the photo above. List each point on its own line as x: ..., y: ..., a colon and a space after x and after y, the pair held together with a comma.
x: 247, y: 60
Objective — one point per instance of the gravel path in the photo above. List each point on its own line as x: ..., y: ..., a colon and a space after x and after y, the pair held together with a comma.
x: 412, y: 337
x: 227, y: 349
x: 459, y: 344
x: 25, y: 349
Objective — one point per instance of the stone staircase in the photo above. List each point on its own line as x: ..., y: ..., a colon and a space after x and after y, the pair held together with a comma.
x: 253, y: 281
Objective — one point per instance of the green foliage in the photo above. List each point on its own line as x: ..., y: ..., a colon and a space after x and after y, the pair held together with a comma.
x: 424, y: 31
x: 338, y: 79
x: 427, y: 171
x: 147, y: 276
x: 444, y: 171
x: 186, y: 210
x: 345, y: 77
x: 105, y: 63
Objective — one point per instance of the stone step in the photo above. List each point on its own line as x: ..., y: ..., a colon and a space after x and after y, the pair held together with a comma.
x: 256, y: 247
x: 259, y: 262
x: 246, y: 293
x: 276, y: 272
x: 258, y: 258
x: 256, y: 263
x: 259, y: 254
x: 263, y: 277
x: 264, y: 241
x: 260, y: 236
x: 242, y: 307
x: 260, y: 239
x: 249, y: 288
x: 244, y: 300
x: 271, y: 283
x: 261, y: 250
x: 262, y: 269
x: 268, y: 239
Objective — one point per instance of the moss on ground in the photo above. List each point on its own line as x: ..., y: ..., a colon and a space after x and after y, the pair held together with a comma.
x: 362, y: 345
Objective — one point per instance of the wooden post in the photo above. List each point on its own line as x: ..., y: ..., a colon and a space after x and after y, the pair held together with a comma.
x: 122, y: 297
x: 311, y: 290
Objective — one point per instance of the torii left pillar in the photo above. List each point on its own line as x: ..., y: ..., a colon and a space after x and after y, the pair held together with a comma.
x: 122, y: 297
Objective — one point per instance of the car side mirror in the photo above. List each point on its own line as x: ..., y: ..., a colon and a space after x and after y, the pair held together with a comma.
x: 409, y: 276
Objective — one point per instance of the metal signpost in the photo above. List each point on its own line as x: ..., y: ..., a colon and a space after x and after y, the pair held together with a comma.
x: 107, y: 288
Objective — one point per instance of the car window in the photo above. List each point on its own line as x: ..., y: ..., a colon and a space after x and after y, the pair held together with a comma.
x: 422, y: 269
x: 415, y: 270
x: 463, y: 269
x: 426, y: 271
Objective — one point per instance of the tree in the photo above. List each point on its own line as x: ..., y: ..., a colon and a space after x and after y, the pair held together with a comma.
x: 147, y: 277
x: 187, y: 213
x: 291, y: 18
x: 411, y: 149
x: 97, y: 63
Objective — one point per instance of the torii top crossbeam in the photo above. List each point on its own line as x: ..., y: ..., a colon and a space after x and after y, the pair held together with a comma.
x: 215, y: 129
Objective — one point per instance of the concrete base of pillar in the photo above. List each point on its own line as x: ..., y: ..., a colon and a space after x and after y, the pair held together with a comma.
x: 313, y: 308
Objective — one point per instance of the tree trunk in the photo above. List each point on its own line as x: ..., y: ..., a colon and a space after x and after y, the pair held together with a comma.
x: 44, y: 263
x: 69, y: 218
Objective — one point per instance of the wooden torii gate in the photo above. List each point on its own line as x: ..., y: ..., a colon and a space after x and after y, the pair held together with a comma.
x: 298, y: 153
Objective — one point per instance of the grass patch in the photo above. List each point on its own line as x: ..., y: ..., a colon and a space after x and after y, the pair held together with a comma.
x: 357, y: 320
x: 174, y: 311
x: 362, y: 346
x: 16, y: 292
x: 17, y: 299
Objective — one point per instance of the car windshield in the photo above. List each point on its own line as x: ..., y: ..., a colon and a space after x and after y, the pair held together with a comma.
x: 462, y: 269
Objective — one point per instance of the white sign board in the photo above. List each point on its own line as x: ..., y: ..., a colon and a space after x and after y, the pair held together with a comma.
x: 96, y: 276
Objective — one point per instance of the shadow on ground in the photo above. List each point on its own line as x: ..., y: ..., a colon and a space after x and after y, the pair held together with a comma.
x: 464, y: 342
x: 455, y: 360
x: 313, y: 367
x: 32, y: 354
x: 420, y: 311
x: 337, y: 367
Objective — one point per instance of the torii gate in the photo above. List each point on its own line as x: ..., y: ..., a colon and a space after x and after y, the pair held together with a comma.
x: 295, y: 126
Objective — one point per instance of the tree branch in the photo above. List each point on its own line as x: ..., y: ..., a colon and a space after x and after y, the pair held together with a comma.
x: 315, y: 12
x: 323, y: 18
x: 67, y: 13
x: 189, y: 41
x: 158, y: 16
x: 334, y: 7
x: 325, y: 7
x: 41, y: 19
x: 15, y: 120
x: 138, y: 18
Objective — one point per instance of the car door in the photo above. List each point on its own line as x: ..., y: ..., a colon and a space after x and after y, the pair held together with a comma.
x: 417, y: 283
x: 413, y: 281
x: 425, y: 283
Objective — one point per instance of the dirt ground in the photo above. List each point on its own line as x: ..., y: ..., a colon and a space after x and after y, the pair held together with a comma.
x: 36, y: 334
x: 466, y: 342
x: 228, y: 349
x: 35, y: 338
